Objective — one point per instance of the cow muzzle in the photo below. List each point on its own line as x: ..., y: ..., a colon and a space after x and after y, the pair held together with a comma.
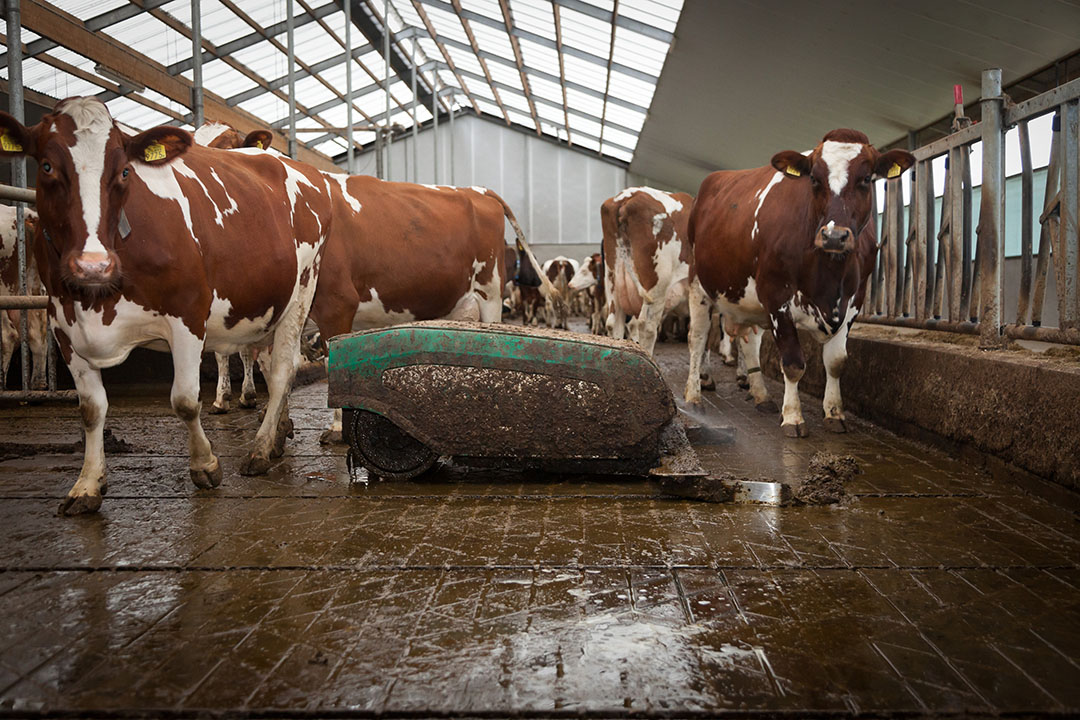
x: 833, y: 238
x: 94, y: 271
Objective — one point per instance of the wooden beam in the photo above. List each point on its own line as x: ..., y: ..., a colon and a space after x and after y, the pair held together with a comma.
x: 49, y: 21
x: 446, y: 55
x: 508, y: 19
x: 480, y: 58
x: 562, y: 71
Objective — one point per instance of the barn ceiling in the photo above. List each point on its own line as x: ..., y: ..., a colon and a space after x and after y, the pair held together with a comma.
x: 747, y: 78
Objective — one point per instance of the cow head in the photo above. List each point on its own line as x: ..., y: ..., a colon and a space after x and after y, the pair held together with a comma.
x: 226, y: 137
x: 588, y: 273
x: 84, y: 166
x: 840, y: 173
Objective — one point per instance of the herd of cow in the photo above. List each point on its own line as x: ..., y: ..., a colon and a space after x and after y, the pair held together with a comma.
x: 211, y: 243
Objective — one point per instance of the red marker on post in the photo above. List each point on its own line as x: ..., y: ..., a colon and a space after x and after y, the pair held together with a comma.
x: 958, y: 101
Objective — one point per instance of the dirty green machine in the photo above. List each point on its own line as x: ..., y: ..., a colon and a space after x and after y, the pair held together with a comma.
x: 504, y: 396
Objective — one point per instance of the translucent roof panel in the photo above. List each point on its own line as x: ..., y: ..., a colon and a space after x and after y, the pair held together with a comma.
x: 591, y: 65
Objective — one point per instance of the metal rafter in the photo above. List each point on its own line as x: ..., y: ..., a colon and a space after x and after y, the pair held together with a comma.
x: 607, y: 82
x: 446, y: 55
x: 431, y: 84
x: 562, y: 71
x: 479, y: 57
x: 508, y: 20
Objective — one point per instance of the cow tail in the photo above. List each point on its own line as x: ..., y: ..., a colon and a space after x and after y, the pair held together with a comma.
x: 553, y: 293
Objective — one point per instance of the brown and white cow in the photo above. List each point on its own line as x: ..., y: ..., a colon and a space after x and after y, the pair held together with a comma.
x: 153, y: 241
x: 784, y: 247
x: 559, y: 270
x: 10, y: 320
x: 587, y: 279
x: 645, y: 251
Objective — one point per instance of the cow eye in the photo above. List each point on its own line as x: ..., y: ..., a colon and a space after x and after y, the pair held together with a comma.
x: 814, y: 182
x: 46, y: 167
x: 867, y: 179
x: 125, y: 173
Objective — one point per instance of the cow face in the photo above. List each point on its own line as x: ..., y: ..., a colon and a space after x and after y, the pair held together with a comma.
x: 588, y: 273
x: 84, y: 167
x: 839, y: 174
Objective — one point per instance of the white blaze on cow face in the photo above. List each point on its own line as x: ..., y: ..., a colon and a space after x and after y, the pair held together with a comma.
x: 93, y: 125
x: 837, y: 157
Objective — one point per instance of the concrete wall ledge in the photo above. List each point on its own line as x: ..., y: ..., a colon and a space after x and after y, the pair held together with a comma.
x: 1018, y: 407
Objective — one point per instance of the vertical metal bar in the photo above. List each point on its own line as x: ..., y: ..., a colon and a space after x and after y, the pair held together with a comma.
x: 1027, y: 213
x: 18, y: 170
x: 415, y: 121
x: 909, y: 250
x: 921, y: 236
x: 956, y: 231
x: 435, y: 125
x: 350, y: 160
x: 386, y: 83
x: 289, y: 30
x: 196, y: 64
x: 991, y: 236
x: 892, y: 247
x: 1068, y: 305
x: 1048, y: 225
x: 928, y: 247
x: 379, y: 173
x: 901, y: 244
x: 965, y: 234
x: 875, y: 274
x: 452, y: 163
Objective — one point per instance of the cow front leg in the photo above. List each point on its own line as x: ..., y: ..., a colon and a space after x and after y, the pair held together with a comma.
x: 834, y: 355
x: 247, y: 390
x: 750, y: 350
x: 187, y: 351
x: 793, y: 365
x: 39, y: 347
x: 697, y: 340
x: 224, y: 386
x: 85, y: 495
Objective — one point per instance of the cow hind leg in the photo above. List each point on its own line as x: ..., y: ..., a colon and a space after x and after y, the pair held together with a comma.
x: 750, y: 348
x: 205, y: 470
x: 834, y: 355
x: 224, y: 386
x: 696, y: 341
x: 247, y: 390
x: 85, y: 494
x: 9, y: 338
x: 648, y: 321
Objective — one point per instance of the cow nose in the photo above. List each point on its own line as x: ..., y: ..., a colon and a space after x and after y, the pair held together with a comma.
x: 834, y: 238
x: 94, y: 266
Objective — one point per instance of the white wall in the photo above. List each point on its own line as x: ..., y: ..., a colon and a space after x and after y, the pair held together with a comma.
x: 554, y: 191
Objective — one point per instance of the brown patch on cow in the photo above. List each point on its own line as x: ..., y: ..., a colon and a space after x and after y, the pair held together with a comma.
x: 64, y: 343
x: 305, y: 277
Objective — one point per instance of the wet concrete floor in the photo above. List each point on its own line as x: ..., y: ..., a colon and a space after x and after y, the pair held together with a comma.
x: 935, y: 589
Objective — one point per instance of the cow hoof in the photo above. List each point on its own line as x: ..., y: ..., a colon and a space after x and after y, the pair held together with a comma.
x: 255, y: 465
x: 216, y: 409
x: 707, y: 383
x: 247, y: 402
x: 742, y: 383
x: 795, y: 431
x: 331, y: 436
x: 730, y: 362
x: 79, y: 505
x: 835, y: 425
x: 768, y: 407
x: 206, y: 479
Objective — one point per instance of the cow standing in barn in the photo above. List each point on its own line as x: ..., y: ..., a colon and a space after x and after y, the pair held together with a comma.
x: 10, y: 321
x: 559, y: 271
x: 646, y: 249
x: 588, y: 279
x: 153, y: 241
x: 785, y: 247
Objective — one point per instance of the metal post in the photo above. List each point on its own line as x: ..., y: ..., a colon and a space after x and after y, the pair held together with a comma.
x: 386, y: 83
x: 196, y: 65
x: 435, y: 125
x: 1068, y: 296
x: 18, y: 170
x: 349, y: 160
x: 415, y: 124
x: 379, y: 154
x: 991, y: 235
x: 1048, y: 224
x: 289, y: 28
x: 1027, y: 213
x: 452, y: 163
x: 954, y: 272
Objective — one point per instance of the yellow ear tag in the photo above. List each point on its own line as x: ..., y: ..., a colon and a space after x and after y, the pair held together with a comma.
x: 894, y: 171
x: 792, y: 171
x: 8, y: 144
x: 154, y: 151
x: 258, y: 144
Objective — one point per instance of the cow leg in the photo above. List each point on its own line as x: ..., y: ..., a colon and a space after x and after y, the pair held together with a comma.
x: 284, y: 359
x: 740, y: 369
x: 224, y: 386
x: 85, y: 495
x: 186, y: 354
x: 247, y: 390
x: 750, y: 348
x: 793, y: 365
x: 9, y: 338
x: 39, y: 347
x: 697, y: 340
x: 648, y: 321
x: 834, y: 355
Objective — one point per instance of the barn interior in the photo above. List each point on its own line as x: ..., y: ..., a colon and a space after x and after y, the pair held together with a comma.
x: 925, y: 562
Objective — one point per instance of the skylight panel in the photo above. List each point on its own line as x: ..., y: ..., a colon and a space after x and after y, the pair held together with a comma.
x: 220, y: 78
x: 151, y: 37
x: 618, y: 153
x: 86, y: 9
x: 492, y: 40
x: 585, y: 72
x: 619, y: 138
x: 220, y: 25
x: 582, y: 102
x: 661, y: 15
x: 520, y: 118
x: 489, y: 8
x: 534, y: 16
x: 539, y: 56
x: 51, y: 81
x: 585, y: 33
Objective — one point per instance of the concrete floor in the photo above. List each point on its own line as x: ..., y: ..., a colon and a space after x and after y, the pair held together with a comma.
x: 936, y: 589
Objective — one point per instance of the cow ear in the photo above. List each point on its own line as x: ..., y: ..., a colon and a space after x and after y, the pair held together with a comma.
x: 791, y: 163
x: 893, y: 163
x: 159, y: 145
x: 259, y: 139
x: 15, y: 138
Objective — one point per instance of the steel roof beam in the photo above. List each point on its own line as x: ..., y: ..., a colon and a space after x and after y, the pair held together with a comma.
x: 508, y: 20
x: 621, y: 20
x: 611, y: 58
x: 442, y: 49
x: 562, y: 70
x: 475, y: 49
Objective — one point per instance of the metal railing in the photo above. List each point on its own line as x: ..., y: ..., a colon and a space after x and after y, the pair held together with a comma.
x: 941, y: 275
